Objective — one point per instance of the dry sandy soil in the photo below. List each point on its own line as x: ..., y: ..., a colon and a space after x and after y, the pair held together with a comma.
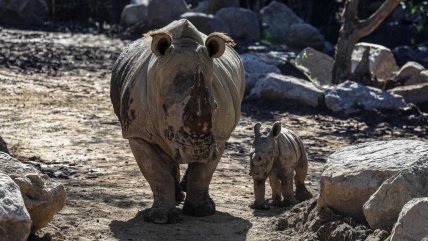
x: 55, y: 113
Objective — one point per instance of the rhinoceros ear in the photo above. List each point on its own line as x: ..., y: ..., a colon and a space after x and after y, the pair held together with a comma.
x: 216, y: 44
x: 161, y: 41
x: 276, y: 129
x: 257, y: 129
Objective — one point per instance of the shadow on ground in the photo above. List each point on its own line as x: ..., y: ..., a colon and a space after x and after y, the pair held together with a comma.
x: 220, y: 226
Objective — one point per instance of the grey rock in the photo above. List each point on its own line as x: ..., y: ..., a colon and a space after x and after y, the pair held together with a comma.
x: 162, y: 12
x: 352, y: 174
x: 319, y: 65
x: 408, y: 70
x: 215, y: 5
x: 301, y: 35
x: 206, y: 23
x: 15, y: 222
x: 23, y: 11
x: 277, y: 19
x: 382, y: 61
x: 417, y: 93
x: 412, y: 222
x: 241, y: 22
x: 256, y: 69
x: 421, y: 78
x: 134, y: 13
x: 384, y: 206
x: 378, y: 235
x: 276, y: 58
x: 201, y: 8
x: 281, y: 87
x: 351, y: 97
x: 43, y: 197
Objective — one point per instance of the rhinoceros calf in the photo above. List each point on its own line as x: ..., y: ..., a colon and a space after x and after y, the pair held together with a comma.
x: 178, y: 94
x: 277, y: 153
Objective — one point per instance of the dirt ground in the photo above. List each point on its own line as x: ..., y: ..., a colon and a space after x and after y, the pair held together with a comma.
x: 55, y: 113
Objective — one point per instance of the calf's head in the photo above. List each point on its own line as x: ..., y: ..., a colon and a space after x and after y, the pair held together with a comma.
x: 263, y: 151
x: 183, y: 71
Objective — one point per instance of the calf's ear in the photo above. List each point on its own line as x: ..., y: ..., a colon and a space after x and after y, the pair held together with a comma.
x: 216, y: 44
x: 161, y: 41
x: 276, y: 129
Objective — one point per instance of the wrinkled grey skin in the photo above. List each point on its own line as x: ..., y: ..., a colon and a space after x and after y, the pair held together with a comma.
x: 279, y: 154
x: 178, y: 98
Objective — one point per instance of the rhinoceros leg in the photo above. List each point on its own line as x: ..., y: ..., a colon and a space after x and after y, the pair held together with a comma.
x: 198, y: 201
x: 275, y: 184
x: 287, y: 187
x: 157, y: 168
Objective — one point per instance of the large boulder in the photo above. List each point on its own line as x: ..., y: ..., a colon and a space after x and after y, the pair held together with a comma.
x: 281, y: 87
x: 382, y: 61
x: 215, y: 5
x: 351, y: 97
x: 201, y: 8
x: 206, y: 23
x: 161, y: 12
x: 15, y: 222
x: 352, y: 174
x: 134, y: 13
x: 416, y: 94
x: 241, y: 22
x: 301, y: 35
x: 256, y: 69
x: 3, y: 146
x: 319, y: 65
x: 408, y: 71
x: 277, y: 19
x: 384, y: 206
x: 43, y: 196
x: 404, y: 54
x: 412, y: 222
x: 23, y: 11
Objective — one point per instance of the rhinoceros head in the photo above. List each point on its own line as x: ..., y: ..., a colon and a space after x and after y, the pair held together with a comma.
x: 183, y: 71
x: 263, y: 151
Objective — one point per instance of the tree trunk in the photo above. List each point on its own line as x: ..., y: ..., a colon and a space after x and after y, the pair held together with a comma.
x: 352, y: 30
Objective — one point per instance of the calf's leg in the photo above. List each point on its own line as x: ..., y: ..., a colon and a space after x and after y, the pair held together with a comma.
x: 287, y: 187
x: 275, y: 184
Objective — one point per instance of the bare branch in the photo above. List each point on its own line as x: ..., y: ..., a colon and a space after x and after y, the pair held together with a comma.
x: 369, y: 25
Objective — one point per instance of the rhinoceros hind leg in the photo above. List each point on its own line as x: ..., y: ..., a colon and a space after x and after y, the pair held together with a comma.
x: 302, y: 193
x: 198, y: 201
x: 156, y: 167
x: 287, y: 188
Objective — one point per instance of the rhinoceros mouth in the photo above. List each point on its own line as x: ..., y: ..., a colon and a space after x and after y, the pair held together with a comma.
x: 192, y: 148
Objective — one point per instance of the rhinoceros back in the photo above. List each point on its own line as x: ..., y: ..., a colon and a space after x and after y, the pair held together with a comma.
x: 130, y: 72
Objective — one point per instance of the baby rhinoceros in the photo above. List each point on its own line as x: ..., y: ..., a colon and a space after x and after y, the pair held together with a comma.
x: 277, y: 153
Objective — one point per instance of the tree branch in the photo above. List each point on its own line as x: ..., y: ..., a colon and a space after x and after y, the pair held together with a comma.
x: 369, y: 25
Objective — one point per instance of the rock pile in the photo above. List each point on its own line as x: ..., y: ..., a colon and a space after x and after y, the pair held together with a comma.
x: 40, y: 198
x: 379, y: 183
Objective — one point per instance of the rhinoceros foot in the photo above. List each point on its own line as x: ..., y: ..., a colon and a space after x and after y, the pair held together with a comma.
x: 161, y: 215
x: 302, y: 193
x: 199, y: 210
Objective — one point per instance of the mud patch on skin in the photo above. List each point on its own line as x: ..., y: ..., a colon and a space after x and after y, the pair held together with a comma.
x: 127, y: 115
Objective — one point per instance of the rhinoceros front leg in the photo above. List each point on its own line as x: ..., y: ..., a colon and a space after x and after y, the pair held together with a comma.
x: 198, y: 201
x: 157, y: 168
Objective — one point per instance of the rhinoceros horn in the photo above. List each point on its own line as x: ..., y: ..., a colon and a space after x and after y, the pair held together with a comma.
x: 197, y: 116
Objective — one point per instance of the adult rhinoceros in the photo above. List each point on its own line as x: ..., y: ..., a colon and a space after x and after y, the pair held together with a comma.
x: 177, y: 94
